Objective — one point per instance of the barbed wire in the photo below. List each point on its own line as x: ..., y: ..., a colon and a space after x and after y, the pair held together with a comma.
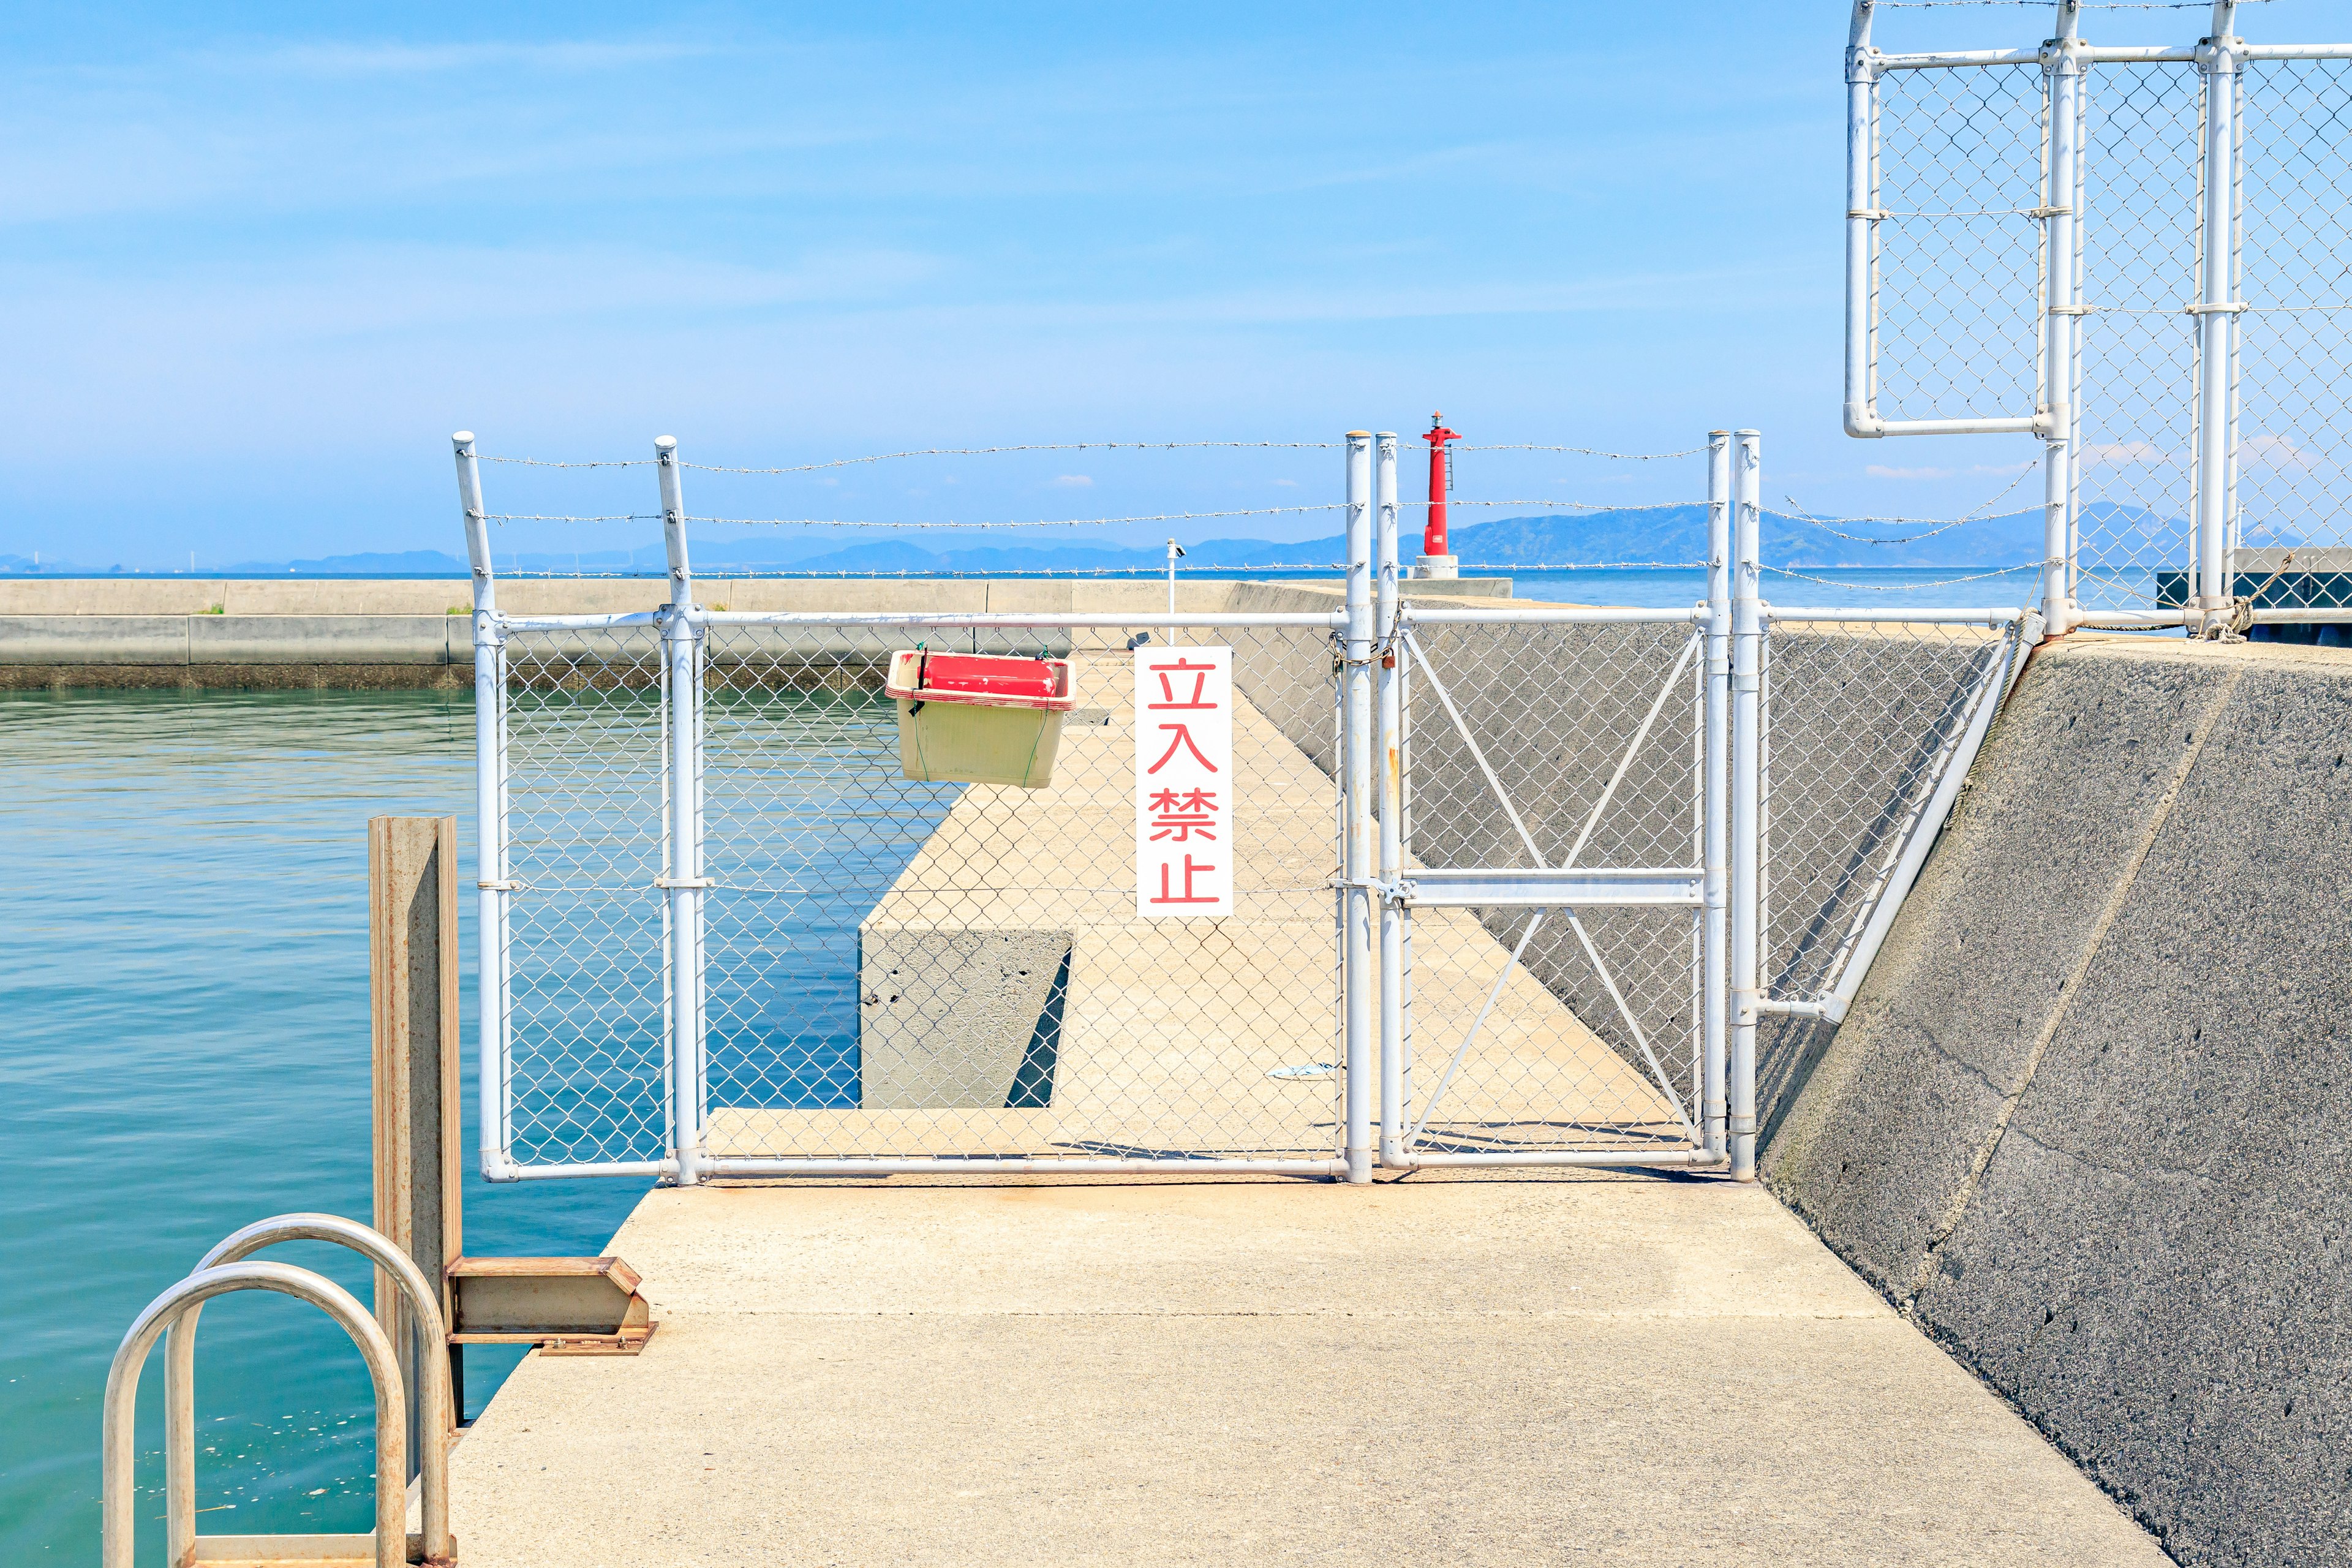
x: 546, y: 463
x: 1580, y: 451
x: 1583, y: 566
x: 1903, y: 587
x: 549, y: 516
x: 1942, y: 525
x: 1029, y: 447
x: 2045, y: 4
x: 1042, y: 522
x: 1069, y: 446
x: 1569, y: 505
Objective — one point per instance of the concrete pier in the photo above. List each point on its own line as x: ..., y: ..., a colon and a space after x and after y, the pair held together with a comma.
x: 1604, y: 1370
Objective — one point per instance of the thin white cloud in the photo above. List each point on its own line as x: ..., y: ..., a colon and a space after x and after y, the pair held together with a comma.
x: 1880, y: 471
x: 1071, y: 482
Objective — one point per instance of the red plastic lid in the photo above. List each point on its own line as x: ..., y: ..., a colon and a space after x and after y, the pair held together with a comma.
x: 989, y: 674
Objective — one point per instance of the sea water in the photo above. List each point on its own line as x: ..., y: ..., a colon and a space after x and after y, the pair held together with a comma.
x: 184, y: 1048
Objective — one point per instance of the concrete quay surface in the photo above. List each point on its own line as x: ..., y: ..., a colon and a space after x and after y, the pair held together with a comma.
x: 1567, y: 1369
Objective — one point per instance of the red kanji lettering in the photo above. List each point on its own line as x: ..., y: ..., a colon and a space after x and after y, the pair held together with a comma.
x: 1183, y: 739
x: 1187, y: 897
x: 1168, y: 689
x: 1181, y: 814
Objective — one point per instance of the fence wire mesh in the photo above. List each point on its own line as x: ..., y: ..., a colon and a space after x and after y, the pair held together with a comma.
x: 1529, y: 1031
x: 2137, y: 356
x: 587, y: 1055
x: 2294, y: 415
x: 906, y: 970
x: 1861, y: 723
x: 1959, y: 280
x: 1956, y: 305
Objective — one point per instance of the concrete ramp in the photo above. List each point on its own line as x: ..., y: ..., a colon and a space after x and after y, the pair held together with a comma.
x: 1605, y: 1371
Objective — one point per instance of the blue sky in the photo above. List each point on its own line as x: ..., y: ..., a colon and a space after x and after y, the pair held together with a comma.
x: 259, y: 262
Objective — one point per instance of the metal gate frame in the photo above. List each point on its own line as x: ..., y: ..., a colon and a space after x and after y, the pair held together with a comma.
x: 2209, y: 600
x: 1376, y: 650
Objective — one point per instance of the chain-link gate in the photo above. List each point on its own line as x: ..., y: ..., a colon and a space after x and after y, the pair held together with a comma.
x: 730, y: 928
x: 2133, y: 254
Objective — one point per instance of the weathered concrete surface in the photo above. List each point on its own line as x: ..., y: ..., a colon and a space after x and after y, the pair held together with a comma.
x: 1489, y: 1372
x: 945, y: 1018
x: 2078, y: 1121
x: 271, y: 634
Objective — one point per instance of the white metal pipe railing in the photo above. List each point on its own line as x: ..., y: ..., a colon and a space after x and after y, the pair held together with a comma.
x: 493, y: 881
x: 1356, y: 790
x: 2058, y: 317
x: 1746, y: 789
x: 1388, y: 758
x: 432, y: 1413
x: 119, y: 1439
x: 682, y: 880
x: 2216, y: 312
x: 1715, y: 755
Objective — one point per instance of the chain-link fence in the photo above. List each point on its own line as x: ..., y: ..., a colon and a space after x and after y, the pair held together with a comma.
x: 1559, y: 746
x: 2131, y: 253
x: 1863, y: 722
x: 899, y: 969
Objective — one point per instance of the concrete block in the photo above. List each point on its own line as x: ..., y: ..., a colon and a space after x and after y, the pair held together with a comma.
x: 2155, y: 1267
x: 78, y: 640
x: 321, y: 639
x: 959, y: 1019
x: 1894, y: 1116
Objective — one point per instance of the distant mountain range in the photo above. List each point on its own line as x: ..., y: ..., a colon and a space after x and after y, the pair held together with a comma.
x: 1669, y: 534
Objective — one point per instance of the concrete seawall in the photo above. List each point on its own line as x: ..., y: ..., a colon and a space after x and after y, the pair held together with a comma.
x: 2080, y: 1122
x: 374, y: 634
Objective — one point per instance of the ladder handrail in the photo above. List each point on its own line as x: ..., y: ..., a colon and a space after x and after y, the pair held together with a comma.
x: 118, y: 1444
x: 437, y: 1417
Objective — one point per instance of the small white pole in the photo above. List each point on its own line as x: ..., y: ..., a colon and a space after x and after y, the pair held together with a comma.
x: 1388, y: 757
x: 1174, y: 550
x: 685, y: 845
x: 1356, y: 796
x: 1716, y: 754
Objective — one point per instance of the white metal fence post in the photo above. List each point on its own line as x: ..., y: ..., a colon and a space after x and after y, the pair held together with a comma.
x: 2216, y: 309
x: 684, y: 882
x: 1747, y: 782
x: 2061, y: 317
x: 1860, y: 221
x: 1716, y: 756
x: 1356, y: 794
x: 1389, y: 759
x: 491, y: 878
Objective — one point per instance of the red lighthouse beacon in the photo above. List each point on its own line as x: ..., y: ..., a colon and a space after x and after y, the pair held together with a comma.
x: 1437, y: 558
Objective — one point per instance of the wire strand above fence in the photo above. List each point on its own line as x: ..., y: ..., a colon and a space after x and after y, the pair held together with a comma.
x: 1941, y: 524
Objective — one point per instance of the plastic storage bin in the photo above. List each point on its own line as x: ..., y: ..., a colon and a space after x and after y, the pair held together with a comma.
x: 977, y: 717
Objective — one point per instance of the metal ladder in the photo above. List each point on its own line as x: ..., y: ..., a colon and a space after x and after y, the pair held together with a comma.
x: 224, y: 1270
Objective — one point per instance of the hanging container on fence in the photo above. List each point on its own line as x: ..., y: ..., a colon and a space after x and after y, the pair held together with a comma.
x: 978, y: 718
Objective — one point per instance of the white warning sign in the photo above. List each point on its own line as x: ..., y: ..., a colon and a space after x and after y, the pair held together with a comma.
x: 1183, y: 781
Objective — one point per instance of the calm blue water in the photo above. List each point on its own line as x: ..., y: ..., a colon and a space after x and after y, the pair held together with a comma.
x: 1841, y: 587
x: 184, y: 1047
x: 184, y: 1036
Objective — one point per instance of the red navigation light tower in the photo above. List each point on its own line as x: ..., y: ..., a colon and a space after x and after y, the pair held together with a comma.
x: 1436, y: 556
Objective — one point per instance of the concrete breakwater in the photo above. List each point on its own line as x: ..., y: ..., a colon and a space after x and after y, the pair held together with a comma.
x: 374, y: 634
x: 2080, y: 1124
